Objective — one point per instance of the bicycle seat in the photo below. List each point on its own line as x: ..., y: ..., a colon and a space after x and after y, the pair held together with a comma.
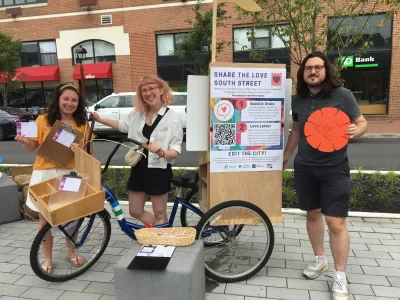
x: 188, y: 180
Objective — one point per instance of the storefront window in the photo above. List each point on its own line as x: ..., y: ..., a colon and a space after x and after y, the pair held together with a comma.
x: 28, y: 94
x: 48, y: 91
x: 16, y: 96
x: 34, y: 94
x: 370, y: 88
x: 368, y: 28
x: 97, y: 89
x: 367, y: 72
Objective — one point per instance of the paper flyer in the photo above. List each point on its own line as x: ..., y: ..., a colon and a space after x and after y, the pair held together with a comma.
x: 247, y: 119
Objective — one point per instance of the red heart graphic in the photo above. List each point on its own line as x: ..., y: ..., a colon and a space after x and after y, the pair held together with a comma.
x: 276, y: 79
x: 224, y: 109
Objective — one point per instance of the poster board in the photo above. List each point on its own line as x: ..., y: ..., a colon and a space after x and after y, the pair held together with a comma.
x: 245, y: 156
x: 53, y: 150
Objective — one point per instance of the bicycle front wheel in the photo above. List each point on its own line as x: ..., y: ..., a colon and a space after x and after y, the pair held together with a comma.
x: 238, y: 240
x: 70, y: 249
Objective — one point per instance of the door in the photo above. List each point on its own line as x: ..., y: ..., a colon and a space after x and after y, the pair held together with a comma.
x: 127, y: 103
x: 108, y: 109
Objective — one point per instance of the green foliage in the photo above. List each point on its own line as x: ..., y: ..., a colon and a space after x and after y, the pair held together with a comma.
x: 379, y: 186
x: 307, y: 27
x: 10, y: 55
x: 196, y: 47
x: 286, y: 176
x: 289, y: 195
x: 355, y: 195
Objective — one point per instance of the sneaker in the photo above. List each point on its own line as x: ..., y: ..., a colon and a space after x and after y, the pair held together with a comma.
x: 315, y: 268
x: 340, y: 290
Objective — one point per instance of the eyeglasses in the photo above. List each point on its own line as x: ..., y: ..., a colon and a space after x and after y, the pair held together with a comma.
x: 317, y: 68
x: 150, y: 90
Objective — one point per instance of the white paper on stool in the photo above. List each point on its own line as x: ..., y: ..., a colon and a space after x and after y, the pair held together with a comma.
x: 197, y: 120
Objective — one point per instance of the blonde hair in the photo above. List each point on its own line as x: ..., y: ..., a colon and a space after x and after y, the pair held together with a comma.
x: 166, y: 97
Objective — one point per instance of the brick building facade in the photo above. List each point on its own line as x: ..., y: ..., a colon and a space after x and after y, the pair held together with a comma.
x: 127, y: 39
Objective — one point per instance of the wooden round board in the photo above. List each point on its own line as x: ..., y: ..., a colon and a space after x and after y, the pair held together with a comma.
x: 325, y: 129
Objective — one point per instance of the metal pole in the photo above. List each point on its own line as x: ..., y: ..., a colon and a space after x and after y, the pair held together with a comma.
x: 83, y: 92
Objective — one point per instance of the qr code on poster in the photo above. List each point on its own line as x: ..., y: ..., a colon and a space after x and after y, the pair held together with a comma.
x: 224, y: 134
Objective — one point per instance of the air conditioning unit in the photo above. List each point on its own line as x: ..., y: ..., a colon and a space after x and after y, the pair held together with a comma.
x: 106, y: 19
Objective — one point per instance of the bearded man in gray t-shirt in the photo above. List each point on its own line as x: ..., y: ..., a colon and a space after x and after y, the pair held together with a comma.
x: 321, y: 167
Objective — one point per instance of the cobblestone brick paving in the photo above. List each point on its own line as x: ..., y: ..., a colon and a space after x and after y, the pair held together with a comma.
x: 373, y: 271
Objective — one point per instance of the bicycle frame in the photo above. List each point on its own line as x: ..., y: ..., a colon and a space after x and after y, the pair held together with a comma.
x: 127, y: 227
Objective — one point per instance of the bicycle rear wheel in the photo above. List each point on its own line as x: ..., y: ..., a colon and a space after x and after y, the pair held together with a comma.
x: 84, y: 232
x: 238, y: 240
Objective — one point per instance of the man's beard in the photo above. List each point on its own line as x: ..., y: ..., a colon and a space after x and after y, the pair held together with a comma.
x: 315, y: 83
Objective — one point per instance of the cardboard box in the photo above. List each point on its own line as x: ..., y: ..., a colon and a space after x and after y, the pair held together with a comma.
x: 92, y: 202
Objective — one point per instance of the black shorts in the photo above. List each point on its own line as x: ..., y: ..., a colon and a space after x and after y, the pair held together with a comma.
x: 326, y: 188
x: 152, y: 181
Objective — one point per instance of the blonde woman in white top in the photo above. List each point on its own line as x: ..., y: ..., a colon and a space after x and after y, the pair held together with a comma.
x: 152, y: 175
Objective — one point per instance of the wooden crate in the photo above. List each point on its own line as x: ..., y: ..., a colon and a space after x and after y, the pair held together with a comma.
x: 92, y: 202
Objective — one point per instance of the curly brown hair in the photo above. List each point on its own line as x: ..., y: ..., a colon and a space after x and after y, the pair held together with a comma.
x: 54, y: 114
x: 332, y: 77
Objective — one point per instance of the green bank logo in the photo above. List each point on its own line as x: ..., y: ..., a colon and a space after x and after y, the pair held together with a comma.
x: 347, y: 61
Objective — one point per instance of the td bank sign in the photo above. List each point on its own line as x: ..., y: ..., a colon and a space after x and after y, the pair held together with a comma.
x: 351, y: 61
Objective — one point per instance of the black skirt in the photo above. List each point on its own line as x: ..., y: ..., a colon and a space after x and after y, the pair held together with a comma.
x: 152, y: 181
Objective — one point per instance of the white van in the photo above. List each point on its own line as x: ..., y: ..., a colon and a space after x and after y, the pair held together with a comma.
x: 117, y: 106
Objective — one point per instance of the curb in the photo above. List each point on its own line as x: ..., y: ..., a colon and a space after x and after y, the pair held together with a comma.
x: 298, y: 212
x: 380, y: 136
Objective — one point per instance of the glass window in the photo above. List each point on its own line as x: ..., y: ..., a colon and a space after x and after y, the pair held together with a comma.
x: 48, y: 53
x: 370, y: 88
x: 179, y: 100
x: 128, y: 101
x: 20, y: 2
x: 105, y: 52
x: 167, y: 44
x: 97, y: 89
x: 242, y: 42
x: 111, y: 102
x: 97, y: 51
x: 16, y: 97
x: 369, y: 27
x: 263, y: 39
x: 48, y: 90
x: 30, y: 54
x: 39, y: 54
x: 34, y: 94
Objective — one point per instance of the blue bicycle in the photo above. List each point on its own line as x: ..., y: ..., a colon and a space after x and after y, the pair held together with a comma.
x: 238, y: 236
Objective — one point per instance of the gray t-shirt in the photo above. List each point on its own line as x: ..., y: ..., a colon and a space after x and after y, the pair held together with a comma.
x: 302, y: 107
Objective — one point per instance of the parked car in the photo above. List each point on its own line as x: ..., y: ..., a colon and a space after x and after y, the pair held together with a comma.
x: 7, y: 125
x: 118, y: 105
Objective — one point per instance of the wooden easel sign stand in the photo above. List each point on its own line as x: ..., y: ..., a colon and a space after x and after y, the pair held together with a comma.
x: 246, y: 117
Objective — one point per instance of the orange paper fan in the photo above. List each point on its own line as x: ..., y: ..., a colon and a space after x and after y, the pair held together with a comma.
x: 325, y: 129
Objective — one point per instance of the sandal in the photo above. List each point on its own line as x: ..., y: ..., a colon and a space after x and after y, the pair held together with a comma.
x: 48, y: 269
x: 75, y: 261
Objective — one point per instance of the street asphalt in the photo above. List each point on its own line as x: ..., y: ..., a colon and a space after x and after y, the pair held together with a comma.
x: 368, y: 154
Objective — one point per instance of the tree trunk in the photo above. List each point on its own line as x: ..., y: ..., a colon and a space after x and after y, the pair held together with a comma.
x: 314, y: 27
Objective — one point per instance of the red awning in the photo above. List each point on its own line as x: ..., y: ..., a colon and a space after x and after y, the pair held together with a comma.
x: 32, y: 74
x: 93, y: 71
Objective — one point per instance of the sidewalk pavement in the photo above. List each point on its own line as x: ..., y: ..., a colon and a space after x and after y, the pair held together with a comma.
x: 383, y: 129
x: 373, y: 270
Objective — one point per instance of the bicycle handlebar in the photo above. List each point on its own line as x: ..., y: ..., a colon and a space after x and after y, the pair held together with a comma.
x: 144, y: 145
x: 116, y: 149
